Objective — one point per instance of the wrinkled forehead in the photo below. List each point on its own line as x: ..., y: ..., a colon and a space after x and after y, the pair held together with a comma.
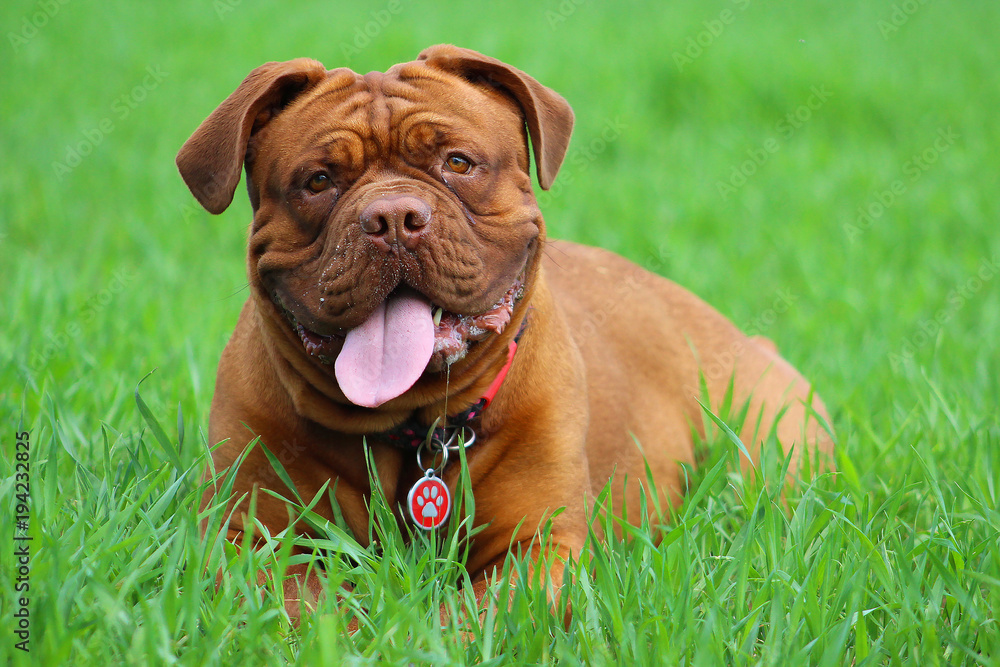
x: 387, y: 106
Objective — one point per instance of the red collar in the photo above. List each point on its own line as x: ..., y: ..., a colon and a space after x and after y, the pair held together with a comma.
x: 494, y: 387
x: 410, y: 434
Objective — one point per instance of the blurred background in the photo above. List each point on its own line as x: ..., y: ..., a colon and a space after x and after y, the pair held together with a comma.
x: 823, y: 173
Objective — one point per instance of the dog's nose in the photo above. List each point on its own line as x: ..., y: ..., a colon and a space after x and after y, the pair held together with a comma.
x: 396, y: 219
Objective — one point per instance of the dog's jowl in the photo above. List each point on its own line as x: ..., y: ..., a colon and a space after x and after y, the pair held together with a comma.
x: 404, y: 297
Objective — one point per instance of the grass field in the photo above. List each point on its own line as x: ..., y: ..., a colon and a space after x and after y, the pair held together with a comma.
x: 823, y: 173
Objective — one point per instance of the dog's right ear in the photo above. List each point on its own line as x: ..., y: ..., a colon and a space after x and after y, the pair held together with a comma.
x: 211, y: 160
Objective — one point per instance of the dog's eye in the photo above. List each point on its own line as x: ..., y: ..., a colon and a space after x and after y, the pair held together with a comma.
x: 318, y: 182
x: 458, y: 164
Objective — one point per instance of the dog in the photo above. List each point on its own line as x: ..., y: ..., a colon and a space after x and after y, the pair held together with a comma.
x: 404, y: 300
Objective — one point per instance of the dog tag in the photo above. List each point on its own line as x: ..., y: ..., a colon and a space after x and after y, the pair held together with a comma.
x: 429, y: 501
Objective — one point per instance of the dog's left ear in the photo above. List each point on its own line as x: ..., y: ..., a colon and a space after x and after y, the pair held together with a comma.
x: 548, y: 115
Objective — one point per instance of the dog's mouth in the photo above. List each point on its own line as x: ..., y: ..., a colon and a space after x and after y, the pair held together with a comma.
x: 406, y: 336
x: 453, y: 332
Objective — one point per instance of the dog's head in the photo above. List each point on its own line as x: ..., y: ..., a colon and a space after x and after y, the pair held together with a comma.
x: 394, y: 221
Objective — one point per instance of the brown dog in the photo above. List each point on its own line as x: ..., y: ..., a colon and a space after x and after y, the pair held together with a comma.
x: 396, y: 254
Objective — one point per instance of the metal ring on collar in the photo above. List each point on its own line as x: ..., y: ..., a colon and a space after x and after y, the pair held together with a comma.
x: 420, y: 462
x: 467, y: 440
x: 449, y: 445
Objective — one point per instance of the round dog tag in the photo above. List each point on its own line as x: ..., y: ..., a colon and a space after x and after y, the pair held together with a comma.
x: 429, y: 501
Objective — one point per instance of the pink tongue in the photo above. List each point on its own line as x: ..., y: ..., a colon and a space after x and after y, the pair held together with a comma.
x: 388, y: 352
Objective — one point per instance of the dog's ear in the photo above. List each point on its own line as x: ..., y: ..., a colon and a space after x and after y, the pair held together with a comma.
x: 211, y: 160
x: 548, y: 115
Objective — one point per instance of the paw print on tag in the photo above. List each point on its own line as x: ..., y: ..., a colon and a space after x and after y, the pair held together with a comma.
x: 429, y: 501
x: 428, y: 498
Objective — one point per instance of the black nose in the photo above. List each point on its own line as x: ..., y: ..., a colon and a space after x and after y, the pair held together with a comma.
x: 396, y: 219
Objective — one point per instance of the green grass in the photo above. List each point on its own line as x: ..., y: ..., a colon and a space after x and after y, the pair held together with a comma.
x: 109, y: 271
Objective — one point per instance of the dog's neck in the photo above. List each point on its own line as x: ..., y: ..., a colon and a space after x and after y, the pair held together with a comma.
x: 313, y: 390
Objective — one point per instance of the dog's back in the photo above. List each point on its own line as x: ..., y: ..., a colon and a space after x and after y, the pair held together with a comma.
x: 648, y: 344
